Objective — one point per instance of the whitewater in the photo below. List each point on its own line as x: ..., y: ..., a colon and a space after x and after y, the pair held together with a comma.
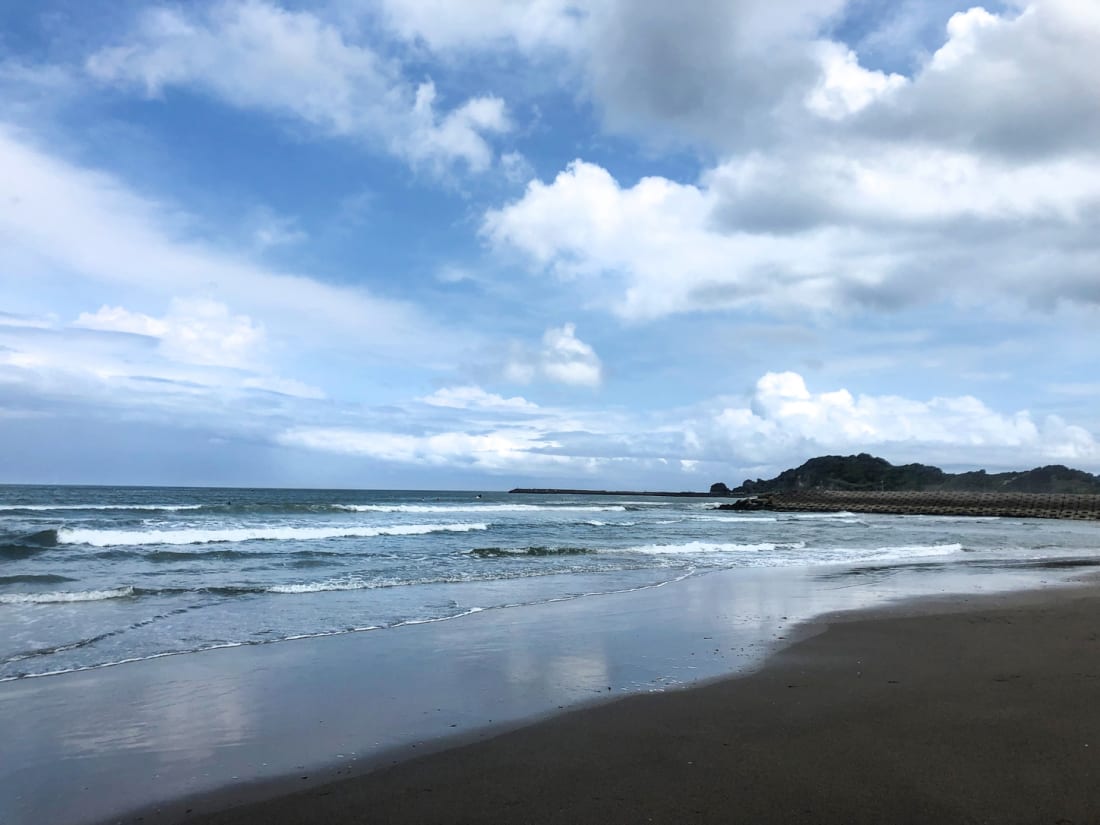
x: 94, y: 576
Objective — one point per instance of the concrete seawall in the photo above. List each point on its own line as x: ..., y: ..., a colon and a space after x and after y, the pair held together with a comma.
x: 1014, y: 505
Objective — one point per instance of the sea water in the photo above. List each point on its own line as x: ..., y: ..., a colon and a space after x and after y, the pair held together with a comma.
x: 95, y: 576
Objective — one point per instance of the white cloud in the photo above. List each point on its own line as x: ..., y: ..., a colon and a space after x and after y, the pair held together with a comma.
x: 1019, y: 83
x: 195, y: 331
x: 845, y: 87
x: 445, y: 25
x: 781, y: 424
x: 471, y: 397
x: 569, y: 360
x: 123, y: 360
x: 837, y: 186
x: 563, y: 358
x: 253, y: 54
x: 61, y: 225
x: 820, y: 231
x: 499, y: 450
x: 785, y: 420
x: 741, y: 75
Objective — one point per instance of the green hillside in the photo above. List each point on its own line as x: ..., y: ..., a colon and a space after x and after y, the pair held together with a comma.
x: 867, y: 472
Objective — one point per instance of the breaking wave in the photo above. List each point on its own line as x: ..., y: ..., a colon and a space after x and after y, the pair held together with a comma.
x: 481, y: 508
x: 39, y: 508
x: 116, y: 538
x: 697, y: 547
x: 62, y: 597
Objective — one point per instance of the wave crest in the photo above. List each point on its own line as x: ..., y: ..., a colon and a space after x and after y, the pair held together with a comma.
x: 115, y: 538
x: 61, y: 597
x: 481, y: 508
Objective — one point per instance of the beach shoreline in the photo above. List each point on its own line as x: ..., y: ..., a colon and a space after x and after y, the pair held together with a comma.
x: 937, y: 709
x: 170, y: 739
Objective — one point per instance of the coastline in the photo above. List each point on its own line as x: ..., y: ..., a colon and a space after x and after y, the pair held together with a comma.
x: 952, y: 710
x: 206, y: 731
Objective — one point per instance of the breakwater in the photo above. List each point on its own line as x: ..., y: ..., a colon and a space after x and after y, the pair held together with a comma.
x: 932, y: 503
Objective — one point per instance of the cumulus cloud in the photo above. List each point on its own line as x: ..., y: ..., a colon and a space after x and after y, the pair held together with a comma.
x: 780, y: 424
x: 1019, y: 83
x: 253, y: 54
x: 712, y: 71
x: 844, y: 86
x: 563, y: 358
x: 822, y: 232
x: 837, y: 186
x: 785, y: 419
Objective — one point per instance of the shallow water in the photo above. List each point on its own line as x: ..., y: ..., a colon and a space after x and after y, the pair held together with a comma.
x: 91, y: 576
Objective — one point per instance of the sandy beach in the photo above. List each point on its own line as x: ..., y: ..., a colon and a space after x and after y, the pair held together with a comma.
x: 965, y: 710
x: 718, y: 697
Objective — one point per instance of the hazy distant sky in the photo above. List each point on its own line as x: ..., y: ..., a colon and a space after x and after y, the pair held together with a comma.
x: 478, y: 243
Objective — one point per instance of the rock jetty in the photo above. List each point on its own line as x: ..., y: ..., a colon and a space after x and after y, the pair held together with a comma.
x: 928, y: 503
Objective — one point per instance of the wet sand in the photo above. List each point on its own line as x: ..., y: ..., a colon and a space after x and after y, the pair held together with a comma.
x: 968, y: 710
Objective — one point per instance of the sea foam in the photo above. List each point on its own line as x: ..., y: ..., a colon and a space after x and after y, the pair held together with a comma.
x: 909, y: 551
x: 698, y: 547
x: 62, y: 597
x: 480, y: 508
x: 49, y: 507
x: 116, y: 538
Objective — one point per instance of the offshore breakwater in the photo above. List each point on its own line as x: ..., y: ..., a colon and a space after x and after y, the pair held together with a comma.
x: 1083, y: 506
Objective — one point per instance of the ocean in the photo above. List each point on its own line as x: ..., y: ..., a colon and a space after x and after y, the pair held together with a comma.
x: 96, y: 576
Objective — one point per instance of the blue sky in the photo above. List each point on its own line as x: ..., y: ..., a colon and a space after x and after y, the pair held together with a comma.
x: 430, y: 244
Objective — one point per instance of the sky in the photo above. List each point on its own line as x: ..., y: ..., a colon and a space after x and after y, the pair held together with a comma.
x: 432, y: 244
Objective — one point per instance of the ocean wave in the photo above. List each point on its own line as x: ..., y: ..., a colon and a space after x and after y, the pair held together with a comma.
x: 45, y: 652
x: 337, y: 585
x: 504, y: 552
x: 697, y: 547
x: 43, y: 578
x: 63, y: 597
x: 480, y: 508
x: 38, y: 508
x: 749, y: 519
x: 21, y: 547
x: 116, y: 538
x: 908, y: 551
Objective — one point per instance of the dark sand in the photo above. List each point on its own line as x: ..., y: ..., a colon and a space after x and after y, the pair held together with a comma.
x: 987, y: 711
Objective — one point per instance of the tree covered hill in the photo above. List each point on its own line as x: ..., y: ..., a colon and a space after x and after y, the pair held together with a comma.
x: 868, y: 472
